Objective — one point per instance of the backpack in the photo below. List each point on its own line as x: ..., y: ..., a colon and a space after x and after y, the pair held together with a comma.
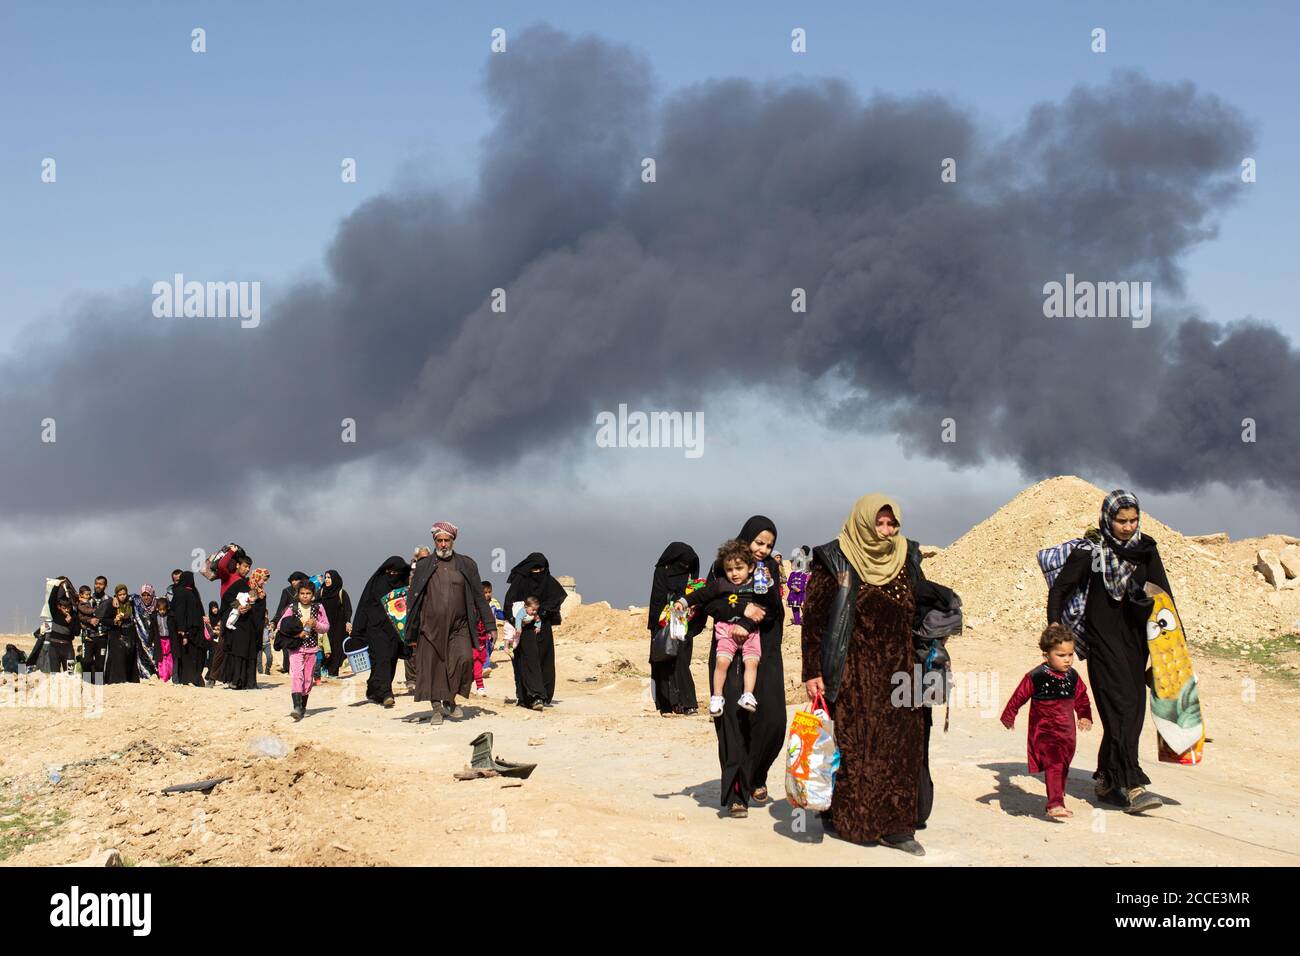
x: 1051, y: 560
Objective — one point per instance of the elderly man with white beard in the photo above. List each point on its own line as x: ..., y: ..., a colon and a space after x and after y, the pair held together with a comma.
x: 445, y: 606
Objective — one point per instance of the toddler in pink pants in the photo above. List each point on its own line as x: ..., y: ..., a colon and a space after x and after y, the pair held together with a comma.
x: 298, y: 632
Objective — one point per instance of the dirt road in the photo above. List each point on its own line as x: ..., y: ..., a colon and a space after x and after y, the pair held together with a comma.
x: 616, y: 783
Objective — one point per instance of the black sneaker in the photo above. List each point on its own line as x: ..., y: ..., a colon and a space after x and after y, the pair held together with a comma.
x: 1139, y: 800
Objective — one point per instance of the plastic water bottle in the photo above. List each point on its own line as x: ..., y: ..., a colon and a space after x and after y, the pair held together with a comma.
x: 762, y: 579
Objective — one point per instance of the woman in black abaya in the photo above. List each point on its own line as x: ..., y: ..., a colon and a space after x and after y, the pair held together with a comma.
x: 338, y: 610
x: 1115, y: 568
x: 674, y: 687
x: 242, y: 641
x: 749, y: 743
x: 534, y: 657
x: 374, y: 628
x: 118, y: 617
x: 187, y: 630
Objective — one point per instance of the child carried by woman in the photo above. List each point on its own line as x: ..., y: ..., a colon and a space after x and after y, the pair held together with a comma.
x: 725, y: 599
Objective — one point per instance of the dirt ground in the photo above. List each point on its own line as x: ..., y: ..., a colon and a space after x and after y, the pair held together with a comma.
x: 616, y: 783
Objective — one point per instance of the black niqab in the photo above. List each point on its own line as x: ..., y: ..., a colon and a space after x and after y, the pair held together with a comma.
x: 187, y: 606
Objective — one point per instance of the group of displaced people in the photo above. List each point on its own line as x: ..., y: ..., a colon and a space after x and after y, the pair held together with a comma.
x: 451, y: 623
x: 444, y: 633
x: 126, y: 637
x: 860, y: 610
x: 863, y: 594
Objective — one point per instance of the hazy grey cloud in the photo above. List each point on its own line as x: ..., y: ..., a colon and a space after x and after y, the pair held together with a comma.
x: 924, y: 297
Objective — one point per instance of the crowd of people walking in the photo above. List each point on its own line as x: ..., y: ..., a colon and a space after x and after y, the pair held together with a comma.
x: 862, y: 604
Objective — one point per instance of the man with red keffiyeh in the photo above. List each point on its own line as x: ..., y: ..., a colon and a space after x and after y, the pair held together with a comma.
x: 445, y: 611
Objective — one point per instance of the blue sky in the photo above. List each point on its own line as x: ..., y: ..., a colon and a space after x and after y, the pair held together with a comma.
x: 226, y: 163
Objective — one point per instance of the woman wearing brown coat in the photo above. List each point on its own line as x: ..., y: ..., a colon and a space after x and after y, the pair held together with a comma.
x: 857, y: 641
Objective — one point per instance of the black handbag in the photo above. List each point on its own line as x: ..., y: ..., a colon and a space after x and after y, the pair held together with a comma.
x: 663, y: 646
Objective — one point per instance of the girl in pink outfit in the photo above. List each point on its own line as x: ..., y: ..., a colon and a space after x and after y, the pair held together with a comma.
x: 312, y: 622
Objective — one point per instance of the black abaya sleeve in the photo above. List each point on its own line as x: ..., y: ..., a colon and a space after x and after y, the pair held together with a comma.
x: 552, y: 597
x: 1072, y: 576
x: 658, y: 598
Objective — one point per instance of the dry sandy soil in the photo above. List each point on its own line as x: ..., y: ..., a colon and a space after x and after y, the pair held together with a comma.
x: 616, y: 783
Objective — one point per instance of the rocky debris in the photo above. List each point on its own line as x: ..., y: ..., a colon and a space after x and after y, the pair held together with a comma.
x: 1268, y: 565
x: 1219, y: 537
x: 1290, y: 560
x: 101, y: 858
x: 572, y: 599
x: 1220, y: 596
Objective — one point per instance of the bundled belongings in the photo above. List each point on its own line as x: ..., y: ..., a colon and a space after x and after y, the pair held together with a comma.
x: 812, y: 759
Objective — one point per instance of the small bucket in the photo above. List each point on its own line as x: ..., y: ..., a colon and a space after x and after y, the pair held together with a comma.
x: 359, y: 661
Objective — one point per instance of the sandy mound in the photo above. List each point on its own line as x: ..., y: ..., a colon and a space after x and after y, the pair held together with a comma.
x: 994, y: 568
x: 307, y: 792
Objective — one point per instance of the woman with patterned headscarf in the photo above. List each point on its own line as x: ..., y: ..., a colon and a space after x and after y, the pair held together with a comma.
x: 857, y: 636
x: 144, y: 608
x: 1115, y: 568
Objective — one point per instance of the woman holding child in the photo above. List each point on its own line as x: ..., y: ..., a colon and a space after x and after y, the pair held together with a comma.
x: 857, y: 635
x: 749, y: 741
x: 534, y: 657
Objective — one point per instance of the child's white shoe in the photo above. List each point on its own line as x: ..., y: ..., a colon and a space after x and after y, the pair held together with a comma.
x: 747, y: 702
x: 480, y: 691
x: 715, y: 706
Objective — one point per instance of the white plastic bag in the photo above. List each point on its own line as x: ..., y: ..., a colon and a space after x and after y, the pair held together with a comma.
x: 811, y: 758
x: 677, y: 623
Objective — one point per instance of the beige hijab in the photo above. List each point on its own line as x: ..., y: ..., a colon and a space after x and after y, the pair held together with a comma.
x: 876, y: 559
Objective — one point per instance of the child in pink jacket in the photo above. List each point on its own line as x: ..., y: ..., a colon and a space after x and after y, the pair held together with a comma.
x: 302, y: 659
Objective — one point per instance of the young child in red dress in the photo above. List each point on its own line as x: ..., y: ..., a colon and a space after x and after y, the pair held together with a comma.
x: 1058, y: 695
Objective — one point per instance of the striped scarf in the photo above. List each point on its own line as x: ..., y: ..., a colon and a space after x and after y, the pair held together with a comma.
x: 1114, y: 558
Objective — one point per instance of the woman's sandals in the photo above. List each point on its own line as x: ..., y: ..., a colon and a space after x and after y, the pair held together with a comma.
x: 738, y: 810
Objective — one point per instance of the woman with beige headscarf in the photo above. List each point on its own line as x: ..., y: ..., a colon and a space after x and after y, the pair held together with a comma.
x: 857, y: 639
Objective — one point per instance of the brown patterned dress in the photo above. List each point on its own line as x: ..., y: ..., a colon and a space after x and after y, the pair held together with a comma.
x: 881, y: 745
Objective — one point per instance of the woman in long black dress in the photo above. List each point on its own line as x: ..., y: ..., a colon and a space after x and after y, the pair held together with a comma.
x: 674, y: 686
x: 241, y: 641
x: 118, y: 616
x: 338, y: 609
x: 374, y: 628
x: 188, y: 641
x: 1115, y: 569
x: 534, y: 656
x: 749, y: 743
